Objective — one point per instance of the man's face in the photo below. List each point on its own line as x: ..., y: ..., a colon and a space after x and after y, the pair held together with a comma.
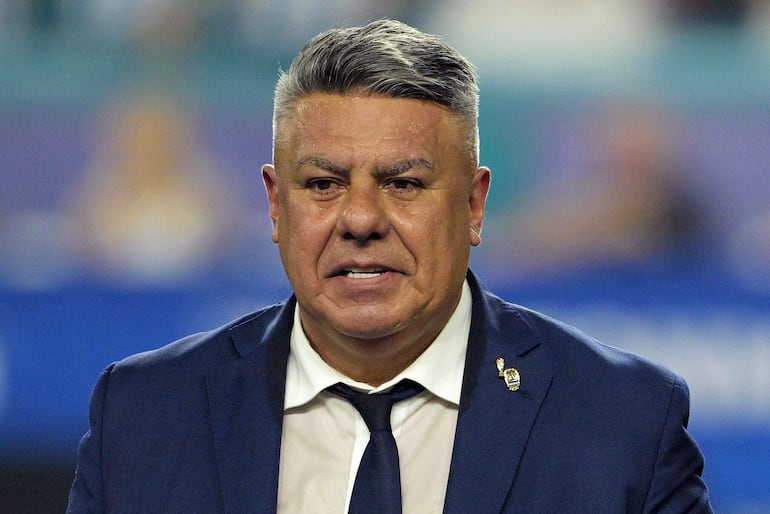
x: 374, y: 203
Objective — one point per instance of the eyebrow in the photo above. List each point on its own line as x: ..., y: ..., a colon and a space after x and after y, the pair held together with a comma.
x: 323, y: 164
x: 403, y: 166
x: 394, y: 169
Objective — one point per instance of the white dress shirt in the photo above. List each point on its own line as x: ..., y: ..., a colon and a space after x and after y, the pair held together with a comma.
x: 324, y: 436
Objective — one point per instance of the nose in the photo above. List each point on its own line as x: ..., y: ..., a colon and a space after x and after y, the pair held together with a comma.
x: 363, y: 217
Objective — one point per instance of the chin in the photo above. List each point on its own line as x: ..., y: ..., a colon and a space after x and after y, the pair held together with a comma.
x: 369, y: 328
x: 370, y: 333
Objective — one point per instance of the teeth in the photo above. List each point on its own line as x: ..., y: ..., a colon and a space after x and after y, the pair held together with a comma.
x: 362, y: 273
x: 353, y: 274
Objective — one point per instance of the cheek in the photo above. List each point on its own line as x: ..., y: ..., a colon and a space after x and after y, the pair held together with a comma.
x: 438, y: 234
x: 295, y: 217
x: 303, y: 231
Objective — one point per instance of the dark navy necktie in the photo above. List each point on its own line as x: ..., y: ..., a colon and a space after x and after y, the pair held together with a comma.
x: 377, y: 489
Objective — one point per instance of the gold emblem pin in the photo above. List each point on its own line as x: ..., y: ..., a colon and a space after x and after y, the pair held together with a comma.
x: 510, y: 376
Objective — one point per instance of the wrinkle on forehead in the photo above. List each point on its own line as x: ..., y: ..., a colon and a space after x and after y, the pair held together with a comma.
x: 328, y: 115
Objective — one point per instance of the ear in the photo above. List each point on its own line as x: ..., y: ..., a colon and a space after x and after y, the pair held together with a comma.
x: 477, y: 202
x: 270, y: 178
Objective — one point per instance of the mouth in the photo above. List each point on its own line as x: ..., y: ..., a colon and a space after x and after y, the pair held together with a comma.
x: 362, y: 273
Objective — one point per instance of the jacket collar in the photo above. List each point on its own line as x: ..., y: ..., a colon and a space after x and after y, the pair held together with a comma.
x: 246, y: 406
x: 494, y: 422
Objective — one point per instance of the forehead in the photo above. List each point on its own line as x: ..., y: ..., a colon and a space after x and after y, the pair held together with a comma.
x: 320, y: 120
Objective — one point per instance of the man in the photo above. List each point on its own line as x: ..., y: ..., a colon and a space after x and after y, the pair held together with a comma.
x: 376, y: 197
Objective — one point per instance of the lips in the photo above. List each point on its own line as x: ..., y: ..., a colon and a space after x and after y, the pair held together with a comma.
x: 359, y: 273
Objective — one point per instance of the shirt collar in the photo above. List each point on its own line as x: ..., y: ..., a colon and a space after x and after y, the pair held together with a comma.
x: 439, y: 368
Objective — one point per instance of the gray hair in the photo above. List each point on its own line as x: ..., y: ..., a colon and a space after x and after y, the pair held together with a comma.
x: 385, y: 57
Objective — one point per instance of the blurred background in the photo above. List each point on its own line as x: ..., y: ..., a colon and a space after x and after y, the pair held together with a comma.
x: 629, y: 142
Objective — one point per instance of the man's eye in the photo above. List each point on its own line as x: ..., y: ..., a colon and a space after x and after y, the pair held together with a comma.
x: 321, y: 185
x: 403, y: 185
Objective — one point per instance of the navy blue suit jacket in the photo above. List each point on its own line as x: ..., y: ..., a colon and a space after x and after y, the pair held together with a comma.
x: 196, y: 426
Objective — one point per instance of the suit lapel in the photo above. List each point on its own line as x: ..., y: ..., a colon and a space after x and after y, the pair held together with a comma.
x: 246, y: 405
x: 494, y: 423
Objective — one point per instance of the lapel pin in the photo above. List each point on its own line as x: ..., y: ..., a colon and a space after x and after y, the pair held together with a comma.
x: 510, y: 376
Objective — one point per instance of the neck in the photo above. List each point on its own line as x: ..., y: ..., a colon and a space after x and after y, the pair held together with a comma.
x: 371, y: 361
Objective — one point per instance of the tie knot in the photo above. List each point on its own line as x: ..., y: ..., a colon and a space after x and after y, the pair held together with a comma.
x: 375, y: 408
